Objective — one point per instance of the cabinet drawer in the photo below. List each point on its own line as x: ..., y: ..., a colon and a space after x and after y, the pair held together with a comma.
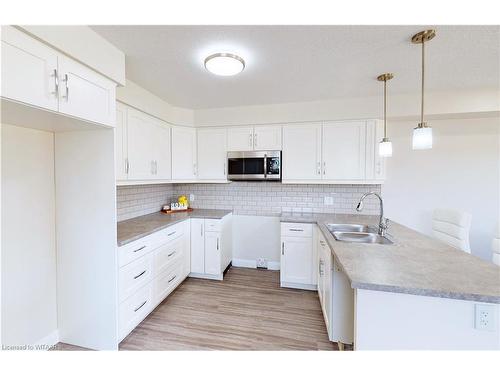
x: 134, y: 309
x: 212, y: 225
x: 171, y: 233
x: 165, y: 282
x: 133, y: 250
x: 168, y: 254
x: 135, y: 275
x: 296, y: 229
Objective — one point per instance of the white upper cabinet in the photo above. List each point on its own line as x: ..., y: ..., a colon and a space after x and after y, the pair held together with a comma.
x: 140, y: 141
x: 85, y: 94
x: 37, y: 75
x: 375, y: 164
x: 29, y: 70
x: 267, y: 138
x: 162, y: 155
x: 212, y: 154
x: 302, y: 152
x: 184, y: 165
x: 344, y: 150
x: 240, y: 138
x: 121, y: 162
x: 249, y: 138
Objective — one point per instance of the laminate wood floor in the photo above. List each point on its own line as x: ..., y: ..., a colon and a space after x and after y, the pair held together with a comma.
x: 246, y: 311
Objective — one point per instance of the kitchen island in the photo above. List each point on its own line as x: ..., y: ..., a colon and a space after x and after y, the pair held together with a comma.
x: 417, y: 293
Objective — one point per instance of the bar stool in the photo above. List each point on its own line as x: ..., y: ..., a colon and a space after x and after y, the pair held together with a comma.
x: 452, y: 227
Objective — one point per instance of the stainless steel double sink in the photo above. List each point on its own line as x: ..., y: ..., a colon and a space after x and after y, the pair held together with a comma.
x: 358, y: 233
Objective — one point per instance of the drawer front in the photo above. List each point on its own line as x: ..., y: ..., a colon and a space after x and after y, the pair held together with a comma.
x: 168, y: 254
x: 134, y: 309
x: 296, y: 229
x: 167, y: 281
x: 212, y: 225
x: 135, y: 275
x: 171, y: 233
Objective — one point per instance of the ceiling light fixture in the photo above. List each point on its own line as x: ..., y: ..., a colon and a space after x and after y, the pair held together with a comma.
x: 385, y: 145
x: 224, y: 64
x: 422, y: 134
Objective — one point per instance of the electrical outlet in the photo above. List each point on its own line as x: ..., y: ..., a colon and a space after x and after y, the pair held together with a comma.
x: 261, y: 263
x: 191, y: 197
x: 485, y: 317
x: 328, y: 201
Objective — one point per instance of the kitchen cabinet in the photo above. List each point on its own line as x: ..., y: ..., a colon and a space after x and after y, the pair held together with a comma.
x: 325, y: 279
x: 184, y: 161
x: 302, y: 152
x: 258, y: 138
x: 37, y: 75
x: 375, y: 164
x: 212, y: 154
x: 297, y: 256
x: 211, y: 247
x: 121, y: 167
x: 344, y: 150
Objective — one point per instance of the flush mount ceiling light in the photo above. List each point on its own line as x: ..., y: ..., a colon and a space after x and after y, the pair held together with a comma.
x: 385, y: 145
x: 224, y: 64
x: 422, y: 134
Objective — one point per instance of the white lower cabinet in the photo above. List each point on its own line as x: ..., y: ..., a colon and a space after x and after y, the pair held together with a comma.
x: 298, y: 258
x: 335, y: 295
x: 211, y: 248
x: 150, y: 269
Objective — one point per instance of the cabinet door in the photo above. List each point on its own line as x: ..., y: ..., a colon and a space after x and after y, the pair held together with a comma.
x: 302, y: 152
x: 197, y: 246
x: 161, y: 148
x: 184, y: 153
x: 240, y: 139
x: 327, y: 286
x: 85, y: 94
x: 344, y: 150
x: 375, y: 164
x: 139, y: 145
x: 267, y: 138
x: 212, y: 253
x: 121, y: 167
x: 296, y: 260
x: 29, y: 70
x: 212, y: 154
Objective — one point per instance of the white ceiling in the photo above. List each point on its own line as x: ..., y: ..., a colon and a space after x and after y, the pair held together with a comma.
x: 302, y: 63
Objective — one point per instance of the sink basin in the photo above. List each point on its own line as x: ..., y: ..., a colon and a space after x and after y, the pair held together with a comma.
x: 361, y: 237
x: 350, y: 228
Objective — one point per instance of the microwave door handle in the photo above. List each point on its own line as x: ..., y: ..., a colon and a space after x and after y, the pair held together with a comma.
x: 265, y: 165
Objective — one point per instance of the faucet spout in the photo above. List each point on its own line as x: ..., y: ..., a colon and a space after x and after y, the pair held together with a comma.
x: 383, y: 223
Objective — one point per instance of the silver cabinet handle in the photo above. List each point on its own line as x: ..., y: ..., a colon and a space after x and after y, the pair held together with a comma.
x: 282, y: 248
x: 172, y: 253
x: 142, y: 304
x: 172, y: 279
x: 319, y: 268
x: 324, y: 167
x: 250, y: 140
x: 156, y: 167
x: 318, y: 168
x: 224, y: 169
x: 321, y: 271
x: 139, y: 275
x: 217, y: 243
x: 171, y: 233
x: 201, y: 230
x: 66, y: 79
x: 194, y: 169
x: 255, y: 140
x: 296, y: 230
x: 127, y: 166
x: 139, y: 249
x: 322, y: 242
x: 56, y: 83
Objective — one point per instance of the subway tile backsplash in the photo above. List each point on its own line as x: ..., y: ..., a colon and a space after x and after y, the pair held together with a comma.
x: 247, y: 198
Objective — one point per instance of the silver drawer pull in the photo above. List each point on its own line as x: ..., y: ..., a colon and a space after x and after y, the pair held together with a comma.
x: 139, y: 275
x: 171, y: 233
x: 172, y: 279
x: 172, y: 253
x: 139, y: 249
x: 142, y: 304
x: 296, y: 230
x: 322, y: 242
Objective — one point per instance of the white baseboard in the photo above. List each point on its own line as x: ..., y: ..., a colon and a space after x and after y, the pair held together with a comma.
x: 48, y: 341
x: 248, y: 263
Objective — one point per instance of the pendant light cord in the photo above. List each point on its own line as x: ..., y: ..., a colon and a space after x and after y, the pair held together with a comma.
x: 423, y: 84
x: 385, y: 108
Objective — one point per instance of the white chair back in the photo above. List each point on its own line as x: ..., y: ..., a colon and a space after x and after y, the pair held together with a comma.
x: 496, y: 248
x: 452, y: 227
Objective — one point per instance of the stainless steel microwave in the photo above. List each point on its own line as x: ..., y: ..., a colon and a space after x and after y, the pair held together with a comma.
x: 254, y: 165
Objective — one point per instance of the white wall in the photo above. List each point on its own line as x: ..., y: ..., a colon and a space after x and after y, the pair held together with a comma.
x: 28, y: 236
x: 461, y: 171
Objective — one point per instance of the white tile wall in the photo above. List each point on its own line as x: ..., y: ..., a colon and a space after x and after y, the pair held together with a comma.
x: 247, y: 198
x: 133, y: 201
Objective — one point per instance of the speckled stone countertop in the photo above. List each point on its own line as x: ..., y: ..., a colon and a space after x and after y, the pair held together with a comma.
x: 414, y: 264
x: 138, y: 227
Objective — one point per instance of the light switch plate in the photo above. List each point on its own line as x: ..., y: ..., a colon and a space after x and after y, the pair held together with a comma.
x: 485, y: 317
x: 191, y: 197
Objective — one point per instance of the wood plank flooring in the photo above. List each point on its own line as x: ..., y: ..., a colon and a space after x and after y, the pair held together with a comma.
x: 246, y: 311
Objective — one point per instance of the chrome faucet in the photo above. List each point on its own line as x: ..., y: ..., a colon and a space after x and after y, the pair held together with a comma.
x: 383, y: 223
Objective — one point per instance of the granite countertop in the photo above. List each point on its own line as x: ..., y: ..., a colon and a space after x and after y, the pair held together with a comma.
x: 138, y: 227
x: 414, y: 264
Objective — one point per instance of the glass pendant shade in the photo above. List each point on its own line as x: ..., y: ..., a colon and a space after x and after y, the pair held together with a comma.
x: 422, y: 138
x: 385, y: 148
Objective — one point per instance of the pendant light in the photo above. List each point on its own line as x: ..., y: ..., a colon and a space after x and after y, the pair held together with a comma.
x: 385, y: 145
x: 422, y: 134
